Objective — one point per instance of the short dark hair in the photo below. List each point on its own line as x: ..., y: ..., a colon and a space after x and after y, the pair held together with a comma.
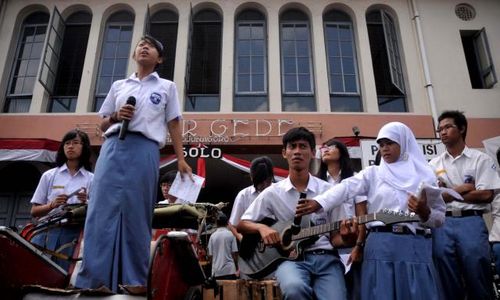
x: 156, y: 43
x: 261, y: 169
x: 221, y: 219
x: 346, y: 169
x: 299, y: 133
x: 168, y: 177
x: 458, y: 118
x: 84, y: 160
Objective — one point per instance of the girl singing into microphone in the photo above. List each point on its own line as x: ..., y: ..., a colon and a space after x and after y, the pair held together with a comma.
x: 118, y: 226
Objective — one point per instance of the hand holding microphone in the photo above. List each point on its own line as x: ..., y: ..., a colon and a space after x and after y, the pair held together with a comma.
x: 126, y: 113
x: 298, y: 220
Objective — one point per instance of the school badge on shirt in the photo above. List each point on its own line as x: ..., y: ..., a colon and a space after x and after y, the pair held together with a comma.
x: 155, y: 98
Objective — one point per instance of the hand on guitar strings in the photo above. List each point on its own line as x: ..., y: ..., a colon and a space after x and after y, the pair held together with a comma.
x: 306, y: 206
x: 349, y: 231
x: 269, y: 236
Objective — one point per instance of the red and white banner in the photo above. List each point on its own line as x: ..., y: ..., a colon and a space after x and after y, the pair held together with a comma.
x: 244, y: 165
x: 167, y: 160
x: 28, y: 150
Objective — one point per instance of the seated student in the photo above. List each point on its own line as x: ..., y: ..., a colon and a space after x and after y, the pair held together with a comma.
x: 165, y: 183
x: 397, y: 261
x: 319, y: 274
x: 71, y: 174
x: 262, y: 175
x: 223, y: 251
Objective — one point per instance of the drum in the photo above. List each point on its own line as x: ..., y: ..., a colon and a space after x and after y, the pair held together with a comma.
x: 22, y: 264
x: 174, y: 270
x: 176, y: 216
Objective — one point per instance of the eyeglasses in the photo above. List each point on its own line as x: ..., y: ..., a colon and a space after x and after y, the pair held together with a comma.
x: 326, y: 148
x: 445, y: 127
x: 72, y: 143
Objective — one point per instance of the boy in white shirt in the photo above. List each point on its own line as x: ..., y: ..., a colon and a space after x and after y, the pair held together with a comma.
x: 320, y: 272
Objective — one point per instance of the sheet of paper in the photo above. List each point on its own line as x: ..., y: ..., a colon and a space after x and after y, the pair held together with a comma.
x: 186, y: 189
x: 452, y: 192
x: 434, y: 191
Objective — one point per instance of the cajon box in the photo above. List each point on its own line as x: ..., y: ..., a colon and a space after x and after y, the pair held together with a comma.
x: 264, y: 290
x: 227, y: 290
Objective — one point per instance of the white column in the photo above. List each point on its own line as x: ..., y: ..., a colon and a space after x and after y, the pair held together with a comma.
x: 181, y: 58
x: 365, y: 66
x: 86, y: 92
x: 320, y: 63
x: 274, y: 76
x: 227, y: 59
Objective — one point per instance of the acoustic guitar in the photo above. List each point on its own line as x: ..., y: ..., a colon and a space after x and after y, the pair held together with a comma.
x: 257, y: 260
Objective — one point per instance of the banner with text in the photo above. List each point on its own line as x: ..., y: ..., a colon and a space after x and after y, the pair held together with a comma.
x: 430, y: 147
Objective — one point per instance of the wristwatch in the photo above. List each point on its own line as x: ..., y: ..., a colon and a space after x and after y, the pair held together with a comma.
x: 360, y: 244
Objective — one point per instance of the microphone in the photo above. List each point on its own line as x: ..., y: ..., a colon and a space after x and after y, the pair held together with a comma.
x: 124, y: 129
x: 297, y: 220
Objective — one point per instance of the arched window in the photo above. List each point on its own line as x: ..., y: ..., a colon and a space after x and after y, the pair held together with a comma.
x: 203, y: 87
x: 114, y: 54
x: 27, y: 60
x: 342, y: 63
x: 163, y: 26
x: 296, y: 62
x: 386, y: 59
x: 72, y: 58
x: 251, y: 62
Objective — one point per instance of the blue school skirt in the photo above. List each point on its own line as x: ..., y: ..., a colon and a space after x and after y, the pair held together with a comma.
x: 399, y: 266
x: 117, y: 232
x: 57, y: 237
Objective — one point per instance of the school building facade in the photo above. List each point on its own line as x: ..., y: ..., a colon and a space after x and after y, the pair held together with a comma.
x: 246, y: 72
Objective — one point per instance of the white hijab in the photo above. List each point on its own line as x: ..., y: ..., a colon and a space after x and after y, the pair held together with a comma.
x: 411, y: 168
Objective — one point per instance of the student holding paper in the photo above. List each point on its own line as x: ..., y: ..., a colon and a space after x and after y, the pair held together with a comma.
x: 119, y: 220
x: 166, y: 182
x: 397, y: 261
x: 71, y: 176
x: 461, y: 249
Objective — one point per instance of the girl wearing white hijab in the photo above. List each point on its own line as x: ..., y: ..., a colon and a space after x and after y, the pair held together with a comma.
x: 397, y: 258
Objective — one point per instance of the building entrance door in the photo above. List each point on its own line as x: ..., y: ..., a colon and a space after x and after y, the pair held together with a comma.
x: 15, y: 209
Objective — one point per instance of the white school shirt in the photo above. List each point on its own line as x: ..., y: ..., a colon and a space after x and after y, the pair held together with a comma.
x: 57, y: 181
x: 221, y: 245
x: 452, y: 171
x: 348, y: 210
x: 495, y: 227
x: 157, y: 103
x: 279, y: 202
x: 242, y: 201
x: 380, y: 195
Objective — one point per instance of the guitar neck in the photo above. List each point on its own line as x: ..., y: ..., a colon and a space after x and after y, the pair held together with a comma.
x: 335, y: 226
